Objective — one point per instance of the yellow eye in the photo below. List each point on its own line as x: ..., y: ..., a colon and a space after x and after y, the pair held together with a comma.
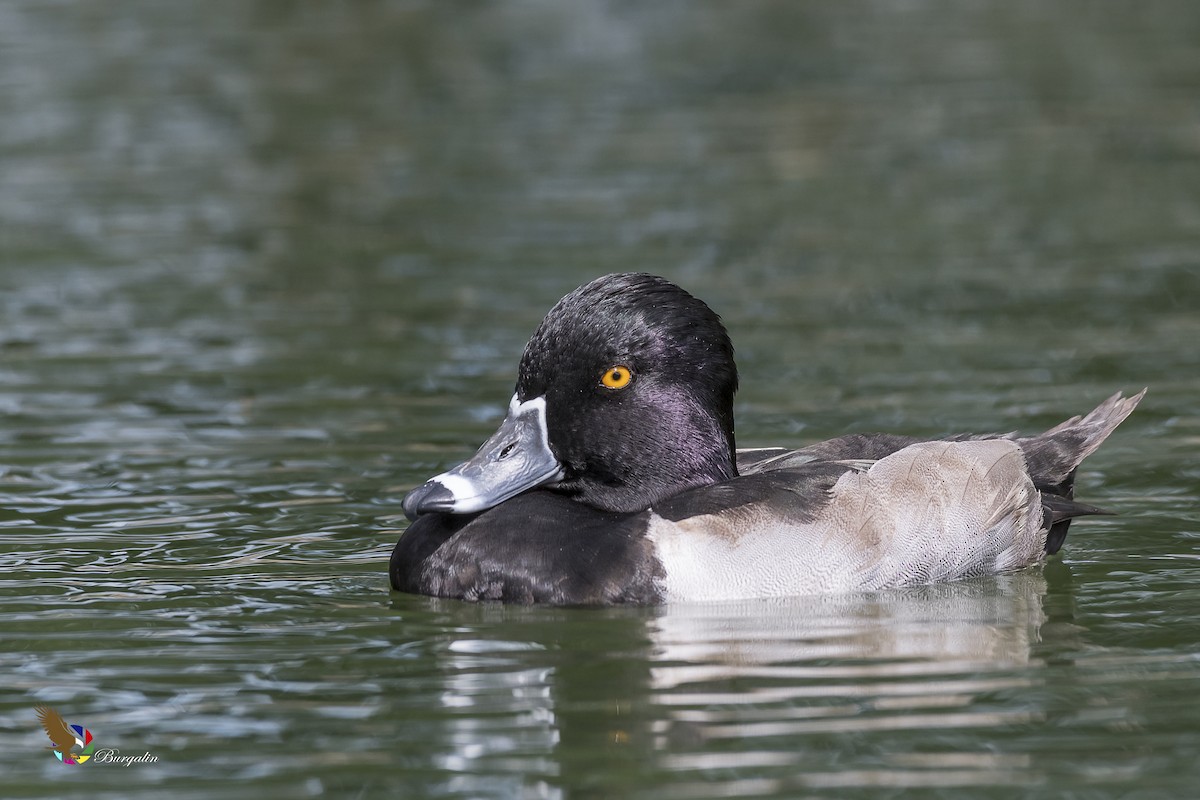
x: 617, y: 377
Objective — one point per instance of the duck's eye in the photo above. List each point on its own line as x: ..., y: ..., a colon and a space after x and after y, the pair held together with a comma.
x: 617, y: 377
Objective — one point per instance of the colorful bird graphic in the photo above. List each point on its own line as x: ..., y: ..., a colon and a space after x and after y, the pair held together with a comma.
x: 56, y: 728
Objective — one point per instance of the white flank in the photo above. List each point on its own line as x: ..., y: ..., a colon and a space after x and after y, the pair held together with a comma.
x: 931, y: 512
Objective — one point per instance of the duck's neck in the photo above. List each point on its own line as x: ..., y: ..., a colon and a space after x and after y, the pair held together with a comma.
x: 685, y: 448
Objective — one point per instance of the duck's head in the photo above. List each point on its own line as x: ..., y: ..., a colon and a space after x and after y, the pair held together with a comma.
x: 624, y: 397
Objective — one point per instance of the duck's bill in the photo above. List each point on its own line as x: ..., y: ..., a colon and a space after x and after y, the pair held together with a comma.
x: 517, y: 457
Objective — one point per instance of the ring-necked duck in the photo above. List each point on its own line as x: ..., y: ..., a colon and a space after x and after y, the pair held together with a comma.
x: 614, y: 479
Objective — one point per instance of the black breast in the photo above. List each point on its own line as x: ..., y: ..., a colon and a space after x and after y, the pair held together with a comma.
x: 539, y: 547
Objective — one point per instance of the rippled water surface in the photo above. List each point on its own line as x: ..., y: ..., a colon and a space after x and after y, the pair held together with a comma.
x: 264, y: 266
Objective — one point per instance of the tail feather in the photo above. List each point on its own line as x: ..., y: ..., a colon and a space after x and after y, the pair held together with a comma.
x: 1053, y: 456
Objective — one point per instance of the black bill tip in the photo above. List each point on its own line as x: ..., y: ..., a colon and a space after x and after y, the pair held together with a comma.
x: 429, y: 496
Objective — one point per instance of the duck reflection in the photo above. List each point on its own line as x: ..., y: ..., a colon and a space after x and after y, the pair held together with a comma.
x: 610, y: 698
x: 922, y: 630
x: 786, y: 670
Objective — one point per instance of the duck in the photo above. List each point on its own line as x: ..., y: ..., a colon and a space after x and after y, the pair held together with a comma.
x: 614, y: 479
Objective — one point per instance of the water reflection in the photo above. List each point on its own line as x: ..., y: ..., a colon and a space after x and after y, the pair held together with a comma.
x: 699, y: 690
x: 952, y: 626
x: 923, y: 659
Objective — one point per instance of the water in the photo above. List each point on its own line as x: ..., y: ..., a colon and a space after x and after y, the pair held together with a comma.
x: 265, y: 266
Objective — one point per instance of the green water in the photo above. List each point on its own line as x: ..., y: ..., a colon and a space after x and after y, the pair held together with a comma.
x: 264, y: 266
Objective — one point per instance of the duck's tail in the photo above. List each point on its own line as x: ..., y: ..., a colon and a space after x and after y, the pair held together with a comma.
x: 1053, y: 457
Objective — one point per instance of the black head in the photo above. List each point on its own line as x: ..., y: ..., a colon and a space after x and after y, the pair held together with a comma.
x: 670, y: 427
x: 624, y: 397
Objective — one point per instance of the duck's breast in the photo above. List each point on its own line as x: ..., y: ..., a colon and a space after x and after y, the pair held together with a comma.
x: 929, y: 512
